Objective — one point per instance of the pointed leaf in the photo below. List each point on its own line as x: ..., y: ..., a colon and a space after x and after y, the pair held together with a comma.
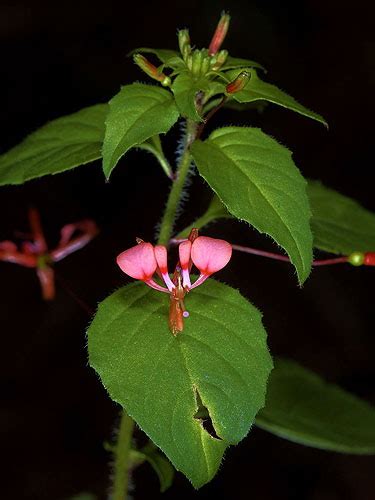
x: 257, y: 90
x: 302, y: 407
x: 257, y: 181
x: 185, y: 89
x: 136, y: 113
x: 339, y: 224
x: 220, y: 360
x: 60, y: 145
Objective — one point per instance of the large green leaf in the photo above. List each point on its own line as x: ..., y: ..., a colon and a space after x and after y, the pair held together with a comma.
x: 59, y: 145
x: 220, y: 361
x: 136, y: 113
x: 339, y: 224
x: 257, y: 181
x: 185, y: 89
x: 302, y: 407
x: 257, y: 90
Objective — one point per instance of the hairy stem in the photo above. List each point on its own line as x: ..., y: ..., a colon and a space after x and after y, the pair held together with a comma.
x: 174, y: 197
x: 122, y: 458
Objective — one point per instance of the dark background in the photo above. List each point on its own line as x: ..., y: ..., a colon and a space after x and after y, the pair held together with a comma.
x: 59, y: 57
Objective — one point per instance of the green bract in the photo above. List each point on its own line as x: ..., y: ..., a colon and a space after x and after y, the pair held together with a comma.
x: 257, y: 180
x: 220, y: 360
x: 59, y: 145
x: 302, y: 407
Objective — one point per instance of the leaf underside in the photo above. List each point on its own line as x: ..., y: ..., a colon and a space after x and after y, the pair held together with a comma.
x: 302, y: 407
x: 340, y: 225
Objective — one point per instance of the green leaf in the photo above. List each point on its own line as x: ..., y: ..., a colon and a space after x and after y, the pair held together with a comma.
x: 257, y: 181
x: 136, y: 113
x: 339, y: 224
x: 257, y: 90
x: 303, y: 408
x: 169, y: 58
x: 158, y: 462
x: 60, y: 145
x: 220, y: 360
x: 216, y: 210
x: 235, y: 62
x: 185, y: 89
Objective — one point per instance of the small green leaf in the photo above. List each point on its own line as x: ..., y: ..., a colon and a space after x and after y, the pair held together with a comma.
x: 340, y: 225
x: 60, y: 145
x: 257, y: 90
x: 257, y: 180
x: 220, y: 360
x: 170, y: 58
x: 303, y: 408
x: 158, y: 462
x: 185, y: 89
x: 216, y: 210
x: 235, y: 62
x: 136, y: 113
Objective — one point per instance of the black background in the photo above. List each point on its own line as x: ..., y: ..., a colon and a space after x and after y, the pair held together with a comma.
x: 59, y: 57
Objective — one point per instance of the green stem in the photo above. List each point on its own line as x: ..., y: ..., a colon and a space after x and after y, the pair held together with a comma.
x: 174, y: 197
x: 122, y: 458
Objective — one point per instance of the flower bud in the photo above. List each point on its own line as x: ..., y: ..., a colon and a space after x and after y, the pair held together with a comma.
x: 356, y: 258
x: 238, y: 84
x: 197, y: 62
x: 369, y: 259
x: 218, y: 60
x: 184, y: 43
x: 219, y: 35
x: 151, y: 70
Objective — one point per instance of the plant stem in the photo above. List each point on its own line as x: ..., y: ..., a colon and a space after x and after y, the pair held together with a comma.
x: 122, y: 458
x: 169, y: 216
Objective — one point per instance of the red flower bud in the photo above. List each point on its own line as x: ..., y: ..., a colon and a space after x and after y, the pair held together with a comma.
x: 238, y: 84
x: 151, y: 70
x: 369, y: 259
x: 219, y: 35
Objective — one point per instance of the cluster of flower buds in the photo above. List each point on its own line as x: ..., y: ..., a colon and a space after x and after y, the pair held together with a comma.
x: 151, y: 70
x: 144, y: 260
x: 361, y: 259
x: 35, y: 253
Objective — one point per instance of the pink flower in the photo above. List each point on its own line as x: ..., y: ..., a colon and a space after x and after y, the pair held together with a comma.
x: 143, y: 261
x: 35, y: 254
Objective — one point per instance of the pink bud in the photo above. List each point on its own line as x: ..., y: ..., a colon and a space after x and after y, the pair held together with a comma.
x: 210, y: 255
x: 138, y: 262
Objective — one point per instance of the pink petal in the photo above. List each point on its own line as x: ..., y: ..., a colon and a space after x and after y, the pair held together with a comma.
x: 138, y: 262
x: 210, y: 255
x: 162, y: 260
x: 184, y: 251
